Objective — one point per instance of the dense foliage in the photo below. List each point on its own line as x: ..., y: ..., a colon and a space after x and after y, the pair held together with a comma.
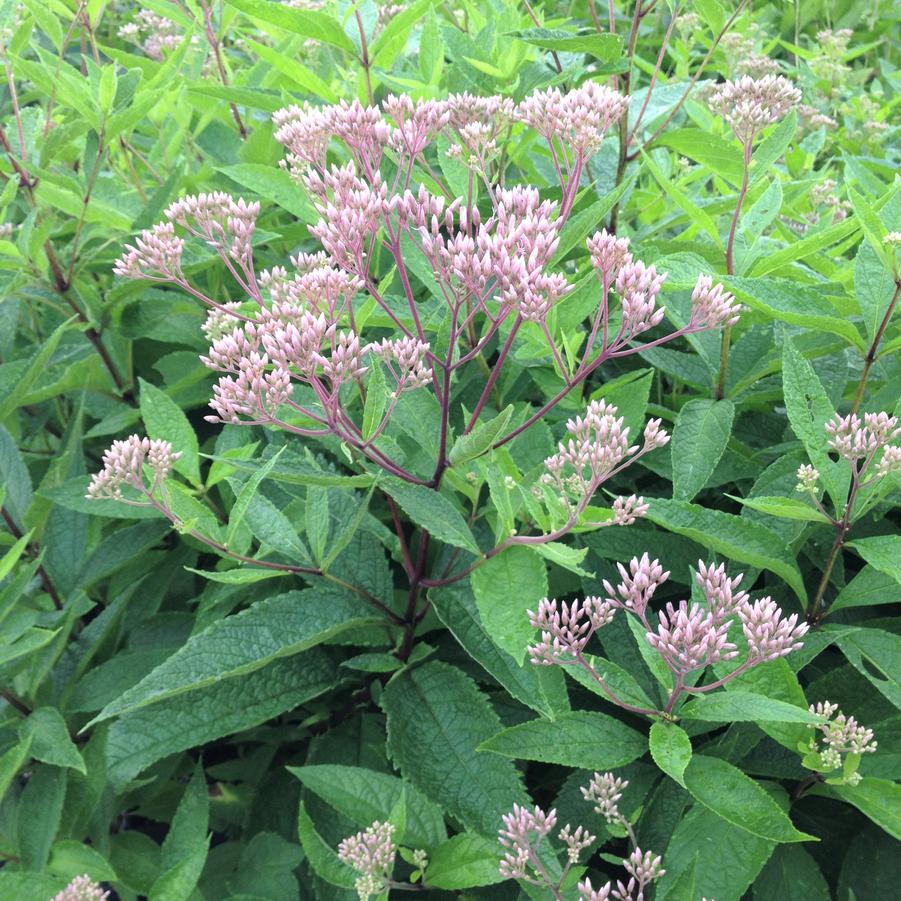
x: 450, y: 448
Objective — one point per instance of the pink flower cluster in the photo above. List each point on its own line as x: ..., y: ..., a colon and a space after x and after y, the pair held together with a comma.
x: 749, y: 105
x: 81, y: 888
x: 124, y: 462
x: 688, y: 636
x: 371, y: 853
x: 859, y: 440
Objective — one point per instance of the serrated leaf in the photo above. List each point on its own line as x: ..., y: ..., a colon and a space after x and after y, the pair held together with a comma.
x: 322, y: 859
x: 699, y: 440
x: 733, y: 536
x: 312, y: 24
x: 602, y: 46
x: 480, y: 439
x: 877, y: 799
x: 882, y: 552
x: 431, y: 511
x: 745, y: 707
x: 739, y: 800
x: 436, y: 720
x: 783, y: 507
x: 671, y: 749
x: 50, y: 739
x: 465, y: 861
x: 505, y: 588
x: 246, y: 495
x: 581, y: 739
x: 270, y: 629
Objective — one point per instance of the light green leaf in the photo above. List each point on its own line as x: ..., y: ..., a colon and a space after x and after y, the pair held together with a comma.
x: 745, y: 707
x: 878, y: 799
x: 882, y: 552
x: 671, y: 749
x: 40, y: 811
x: 50, y: 739
x: 480, y: 439
x: 245, y: 496
x: 36, y: 367
x: 869, y: 587
x: 505, y: 588
x: 436, y: 720
x: 605, y: 47
x: 465, y: 861
x: 739, y: 800
x: 783, y: 507
x: 582, y: 738
x: 699, y: 440
x: 69, y: 859
x: 270, y: 629
x: 313, y: 24
x: 733, y: 536
x: 364, y: 795
x: 165, y: 420
x: 431, y: 511
x: 243, y: 575
x: 322, y: 859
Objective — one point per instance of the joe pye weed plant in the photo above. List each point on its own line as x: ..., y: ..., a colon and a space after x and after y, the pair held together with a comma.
x: 449, y: 449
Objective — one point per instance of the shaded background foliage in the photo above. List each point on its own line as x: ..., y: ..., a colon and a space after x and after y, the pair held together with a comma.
x: 191, y: 788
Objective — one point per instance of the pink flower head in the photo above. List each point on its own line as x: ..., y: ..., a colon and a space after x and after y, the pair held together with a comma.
x: 155, y: 255
x: 638, y: 286
x: 604, y: 792
x: 371, y: 853
x: 123, y: 464
x: 608, y: 253
x: 81, y: 888
x: 749, y: 105
x: 721, y: 592
x: 689, y: 637
x: 416, y: 123
x: 854, y: 439
x: 712, y: 305
x: 406, y: 360
x: 638, y: 584
x: 769, y: 634
x: 521, y: 834
x: 566, y: 629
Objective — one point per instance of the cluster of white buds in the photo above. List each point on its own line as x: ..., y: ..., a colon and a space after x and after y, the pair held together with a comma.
x: 841, y: 735
x: 371, y: 853
x: 604, y: 792
x: 522, y: 832
x: 808, y: 478
x: 82, y: 888
x: 749, y: 105
x: 152, y: 32
x: 405, y: 358
x: 123, y: 464
x: 643, y: 868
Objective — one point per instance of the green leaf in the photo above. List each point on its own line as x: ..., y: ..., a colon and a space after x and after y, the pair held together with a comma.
x: 40, y: 811
x: 69, y: 859
x: 376, y: 400
x: 739, y: 800
x: 436, y: 720
x: 364, y: 795
x: 465, y: 861
x: 539, y: 687
x: 243, y: 575
x: 796, y: 304
x: 317, y: 520
x: 871, y: 224
x: 246, y: 495
x: 270, y: 629
x: 804, y: 247
x: 322, y: 859
x: 791, y: 875
x: 505, y: 587
x: 140, y: 738
x: 878, y: 799
x: 772, y: 147
x: 699, y: 440
x: 36, y: 367
x: 313, y: 24
x: 809, y: 409
x: 584, y: 739
x: 688, y: 206
x: 620, y: 681
x: 869, y: 587
x: 431, y: 511
x: 716, y: 153
x: 480, y: 439
x: 761, y: 215
x: 671, y: 749
x: 735, y: 537
x: 274, y: 185
x: 725, y: 875
x: 164, y: 419
x: 178, y: 883
x: 783, y: 507
x: 50, y: 740
x: 602, y: 46
x: 875, y: 653
x: 882, y: 552
x: 744, y: 707
x: 11, y: 762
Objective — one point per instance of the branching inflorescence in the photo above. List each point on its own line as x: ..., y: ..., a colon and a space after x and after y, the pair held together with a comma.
x: 689, y: 637
x: 294, y: 353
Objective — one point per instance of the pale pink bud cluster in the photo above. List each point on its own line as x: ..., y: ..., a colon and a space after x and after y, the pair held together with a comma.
x: 221, y: 321
x: 712, y: 305
x: 152, y: 32
x: 371, y: 853
x: 768, y: 633
x: 155, y: 255
x: 638, y: 286
x: 82, y: 888
x: 840, y: 735
x: 643, y: 577
x: 608, y: 253
x: 576, y: 841
x: 578, y: 118
x: 627, y: 509
x: 123, y: 464
x: 854, y: 439
x: 643, y: 868
x: 566, y: 628
x: 522, y: 832
x: 598, y: 444
x: 405, y: 358
x: 722, y: 593
x: 417, y: 123
x: 808, y: 478
x: 604, y: 792
x: 749, y: 105
x: 690, y: 637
